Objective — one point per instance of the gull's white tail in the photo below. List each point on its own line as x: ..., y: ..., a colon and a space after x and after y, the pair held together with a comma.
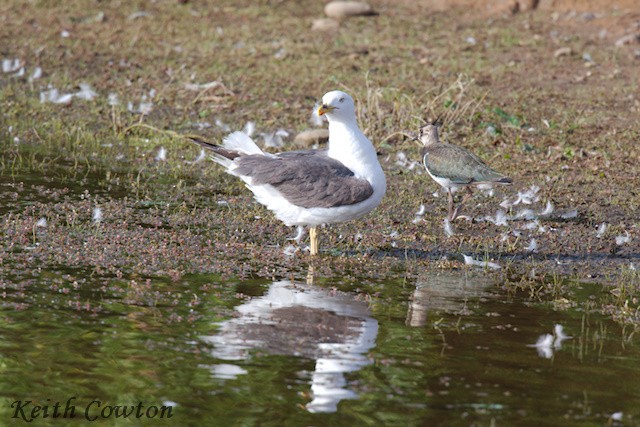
x: 242, y: 143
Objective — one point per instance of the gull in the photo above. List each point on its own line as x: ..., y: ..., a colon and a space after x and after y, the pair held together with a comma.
x: 310, y: 187
x: 454, y: 167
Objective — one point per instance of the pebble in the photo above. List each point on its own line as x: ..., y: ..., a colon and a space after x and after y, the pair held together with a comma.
x: 562, y: 52
x: 628, y: 39
x: 344, y: 9
x: 310, y: 137
x: 325, y: 24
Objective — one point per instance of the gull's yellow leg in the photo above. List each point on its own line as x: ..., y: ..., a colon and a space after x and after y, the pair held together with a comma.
x: 313, y: 237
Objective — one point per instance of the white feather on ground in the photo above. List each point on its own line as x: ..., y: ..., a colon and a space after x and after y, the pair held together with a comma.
x: 471, y: 261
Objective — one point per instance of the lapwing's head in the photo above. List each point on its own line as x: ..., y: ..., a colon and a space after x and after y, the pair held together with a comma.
x: 428, y: 134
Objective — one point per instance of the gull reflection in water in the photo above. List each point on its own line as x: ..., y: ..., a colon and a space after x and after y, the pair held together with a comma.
x: 445, y: 292
x: 306, y: 321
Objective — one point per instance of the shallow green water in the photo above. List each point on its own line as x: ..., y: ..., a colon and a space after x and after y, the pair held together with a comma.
x: 448, y: 349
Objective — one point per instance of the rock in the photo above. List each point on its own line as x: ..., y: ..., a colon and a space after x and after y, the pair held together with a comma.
x: 344, y: 9
x: 309, y: 137
x: 628, y: 39
x: 325, y: 24
x: 562, y: 52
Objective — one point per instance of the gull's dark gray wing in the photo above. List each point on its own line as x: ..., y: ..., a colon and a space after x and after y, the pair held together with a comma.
x: 306, y: 178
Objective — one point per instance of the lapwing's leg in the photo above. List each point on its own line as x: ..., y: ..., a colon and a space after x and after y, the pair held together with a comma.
x: 451, y: 211
x: 468, y: 193
x: 313, y: 237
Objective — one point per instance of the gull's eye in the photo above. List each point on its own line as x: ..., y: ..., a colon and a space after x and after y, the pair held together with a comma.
x: 341, y: 100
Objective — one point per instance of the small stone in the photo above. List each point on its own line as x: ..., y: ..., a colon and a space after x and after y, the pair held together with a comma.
x: 562, y: 52
x: 325, y: 24
x: 344, y: 9
x: 628, y: 39
x: 309, y: 137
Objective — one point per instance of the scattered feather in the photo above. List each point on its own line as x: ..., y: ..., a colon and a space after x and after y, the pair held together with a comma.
x: 249, y: 128
x: 137, y: 15
x: 54, y: 96
x: 63, y: 99
x: 573, y: 213
x: 533, y: 246
x: 197, y: 87
x: 289, y: 250
x: 420, y: 214
x: 621, y: 240
x: 162, y: 154
x: 274, y: 139
x: 280, y: 54
x: 20, y: 73
x: 448, y: 230
x: 315, y: 119
x: 526, y: 197
x: 201, y: 156
x: 299, y: 235
x: 602, y: 228
x: 65, y: 34
x: 468, y: 260
x: 527, y: 214
x: 36, y: 74
x: 86, y: 92
x: 113, y: 100
x: 487, y: 190
x: 506, y: 204
x: 548, y: 210
x: 42, y: 222
x: 145, y: 107
x: 223, y: 126
x: 97, y: 214
x: 403, y: 161
x: 11, y: 65
x: 500, y: 218
x: 530, y: 196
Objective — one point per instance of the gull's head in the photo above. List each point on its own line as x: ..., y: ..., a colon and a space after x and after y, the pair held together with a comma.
x: 337, y: 105
x: 429, y: 134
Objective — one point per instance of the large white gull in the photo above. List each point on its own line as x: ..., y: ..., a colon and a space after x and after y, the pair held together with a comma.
x: 311, y: 187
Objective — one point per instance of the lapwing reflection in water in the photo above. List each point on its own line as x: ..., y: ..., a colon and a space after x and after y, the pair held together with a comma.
x: 444, y: 292
x: 301, y: 320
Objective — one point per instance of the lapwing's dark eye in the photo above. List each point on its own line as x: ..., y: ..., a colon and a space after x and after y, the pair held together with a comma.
x: 341, y: 100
